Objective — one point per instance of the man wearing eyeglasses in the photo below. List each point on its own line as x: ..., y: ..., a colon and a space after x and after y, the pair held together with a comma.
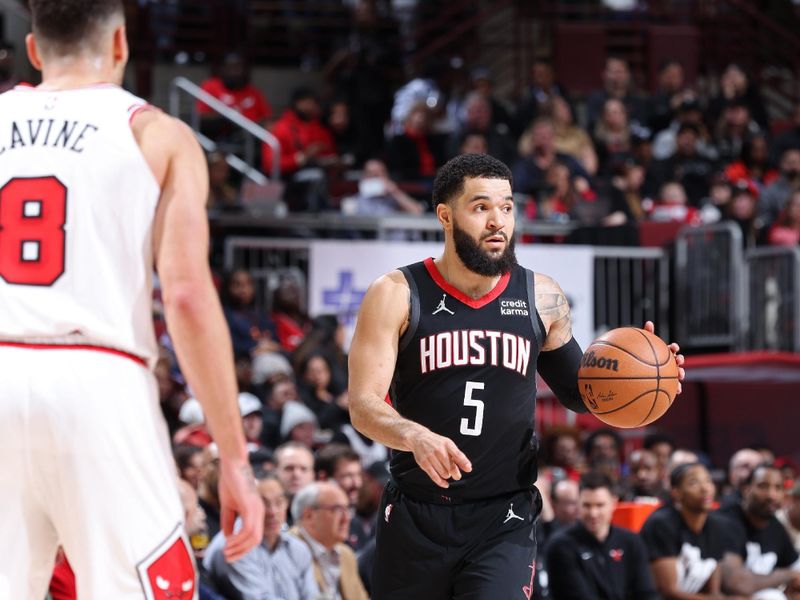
x: 279, y: 568
x: 322, y: 513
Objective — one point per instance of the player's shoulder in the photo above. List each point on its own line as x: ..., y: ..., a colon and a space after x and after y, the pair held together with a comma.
x: 665, y: 516
x: 389, y: 283
x: 545, y: 283
x: 150, y: 121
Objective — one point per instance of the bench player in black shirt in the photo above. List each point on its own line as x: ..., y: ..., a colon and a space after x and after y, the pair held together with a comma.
x: 456, y: 342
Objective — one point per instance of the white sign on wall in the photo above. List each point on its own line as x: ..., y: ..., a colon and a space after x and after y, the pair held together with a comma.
x: 341, y: 271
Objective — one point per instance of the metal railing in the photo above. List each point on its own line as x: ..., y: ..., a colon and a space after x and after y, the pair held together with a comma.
x: 709, y: 296
x: 631, y: 286
x: 181, y: 85
x: 773, y: 279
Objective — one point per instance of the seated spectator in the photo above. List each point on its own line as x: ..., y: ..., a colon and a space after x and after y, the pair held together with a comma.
x: 322, y: 516
x: 562, y: 452
x: 294, y: 466
x: 734, y: 85
x: 337, y: 462
x: 362, y: 527
x: 537, y: 153
x: 786, y: 230
x: 299, y: 425
x: 307, y: 147
x: 789, y: 515
x: 775, y: 198
x: 672, y: 205
x: 679, y: 456
x: 478, y: 119
x: 626, y: 195
x: 252, y: 331
x: 321, y: 394
x: 595, y: 559
x: 482, y: 83
x: 194, y: 523
x: 734, y: 129
x: 194, y: 431
x: 788, y: 140
x: 279, y: 567
x: 617, y: 84
x: 345, y: 137
x: 327, y: 336
x: 378, y: 195
x: 291, y: 319
x: 208, y: 490
x: 743, y: 211
x: 414, y: 154
x: 222, y: 195
x: 277, y: 397
x: 604, y: 445
x: 261, y: 460
x: 171, y: 393
x: 564, y: 502
x: 612, y: 137
x: 685, y: 542
x: 762, y: 557
x: 689, y: 113
x: 644, y: 481
x: 740, y: 466
x: 539, y: 95
x: 663, y: 105
x: 189, y: 460
x: 753, y: 165
x: 233, y: 88
x: 252, y: 419
x: 662, y: 445
x: 571, y: 139
x: 687, y: 166
x: 473, y: 143
x: 571, y: 199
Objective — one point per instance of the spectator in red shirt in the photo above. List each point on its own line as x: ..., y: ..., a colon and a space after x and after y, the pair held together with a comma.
x: 415, y: 154
x: 304, y: 140
x: 233, y: 88
x: 291, y: 320
x: 786, y: 230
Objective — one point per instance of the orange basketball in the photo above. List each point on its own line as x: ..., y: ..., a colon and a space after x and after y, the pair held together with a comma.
x: 628, y: 377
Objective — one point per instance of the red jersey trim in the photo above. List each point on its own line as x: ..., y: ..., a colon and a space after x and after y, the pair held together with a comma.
x: 498, y: 289
x: 137, y: 359
x: 135, y: 109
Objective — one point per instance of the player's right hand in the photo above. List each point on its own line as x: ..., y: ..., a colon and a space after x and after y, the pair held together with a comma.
x: 238, y: 497
x: 439, y: 457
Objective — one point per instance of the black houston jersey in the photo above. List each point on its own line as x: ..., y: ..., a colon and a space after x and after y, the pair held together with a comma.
x: 466, y: 369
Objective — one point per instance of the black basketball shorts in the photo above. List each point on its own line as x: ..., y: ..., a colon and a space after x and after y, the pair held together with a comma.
x: 482, y: 550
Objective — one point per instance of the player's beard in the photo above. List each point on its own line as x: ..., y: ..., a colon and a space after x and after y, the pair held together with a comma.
x: 480, y: 261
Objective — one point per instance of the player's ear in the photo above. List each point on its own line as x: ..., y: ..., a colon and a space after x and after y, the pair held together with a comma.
x: 121, y: 49
x: 33, y: 52
x: 445, y: 215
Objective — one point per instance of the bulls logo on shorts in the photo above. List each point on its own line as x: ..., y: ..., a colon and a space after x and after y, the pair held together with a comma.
x: 168, y: 573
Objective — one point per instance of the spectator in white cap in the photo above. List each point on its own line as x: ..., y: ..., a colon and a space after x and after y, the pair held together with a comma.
x: 252, y: 419
x: 193, y: 432
x: 298, y: 424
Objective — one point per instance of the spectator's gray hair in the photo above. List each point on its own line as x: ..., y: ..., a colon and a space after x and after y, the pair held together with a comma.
x: 304, y: 498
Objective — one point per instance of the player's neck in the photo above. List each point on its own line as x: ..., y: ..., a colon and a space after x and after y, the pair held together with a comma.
x: 460, y: 277
x: 77, y: 72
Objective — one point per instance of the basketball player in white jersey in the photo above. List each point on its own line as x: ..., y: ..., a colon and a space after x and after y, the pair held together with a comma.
x: 97, y: 189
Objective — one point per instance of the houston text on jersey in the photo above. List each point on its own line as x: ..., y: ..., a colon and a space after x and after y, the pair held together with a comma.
x: 474, y: 347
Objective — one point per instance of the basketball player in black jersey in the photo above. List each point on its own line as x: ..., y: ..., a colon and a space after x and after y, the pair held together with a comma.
x: 456, y: 343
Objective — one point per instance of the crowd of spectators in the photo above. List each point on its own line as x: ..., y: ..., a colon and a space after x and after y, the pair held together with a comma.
x: 612, y: 158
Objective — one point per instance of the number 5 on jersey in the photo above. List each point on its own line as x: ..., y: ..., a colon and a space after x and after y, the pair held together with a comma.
x: 475, y: 430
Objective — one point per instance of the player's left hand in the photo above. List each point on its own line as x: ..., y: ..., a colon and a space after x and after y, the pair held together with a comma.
x: 675, y: 349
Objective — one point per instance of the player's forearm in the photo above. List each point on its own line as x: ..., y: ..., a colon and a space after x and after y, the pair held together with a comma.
x: 203, y: 345
x: 746, y: 582
x: 374, y: 418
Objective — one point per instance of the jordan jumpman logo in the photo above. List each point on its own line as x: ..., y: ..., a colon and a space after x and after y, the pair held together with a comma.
x: 511, y: 514
x: 442, y: 307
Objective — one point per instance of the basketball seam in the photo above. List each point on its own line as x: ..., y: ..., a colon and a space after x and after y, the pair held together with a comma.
x: 624, y: 378
x: 621, y: 349
x: 658, y: 374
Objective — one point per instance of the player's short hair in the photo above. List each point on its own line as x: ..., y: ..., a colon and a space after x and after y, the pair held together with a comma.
x: 651, y: 440
x: 450, y: 178
x: 679, y: 473
x: 330, y: 455
x: 67, y: 25
x: 594, y: 480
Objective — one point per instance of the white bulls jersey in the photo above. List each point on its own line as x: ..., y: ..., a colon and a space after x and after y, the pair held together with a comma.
x: 77, y: 201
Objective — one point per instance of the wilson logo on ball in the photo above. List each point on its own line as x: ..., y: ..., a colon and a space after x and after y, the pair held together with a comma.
x: 590, y: 360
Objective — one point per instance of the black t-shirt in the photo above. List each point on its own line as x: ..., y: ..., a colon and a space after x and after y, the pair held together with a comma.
x: 466, y: 369
x: 580, y: 567
x: 762, y: 550
x: 666, y: 535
